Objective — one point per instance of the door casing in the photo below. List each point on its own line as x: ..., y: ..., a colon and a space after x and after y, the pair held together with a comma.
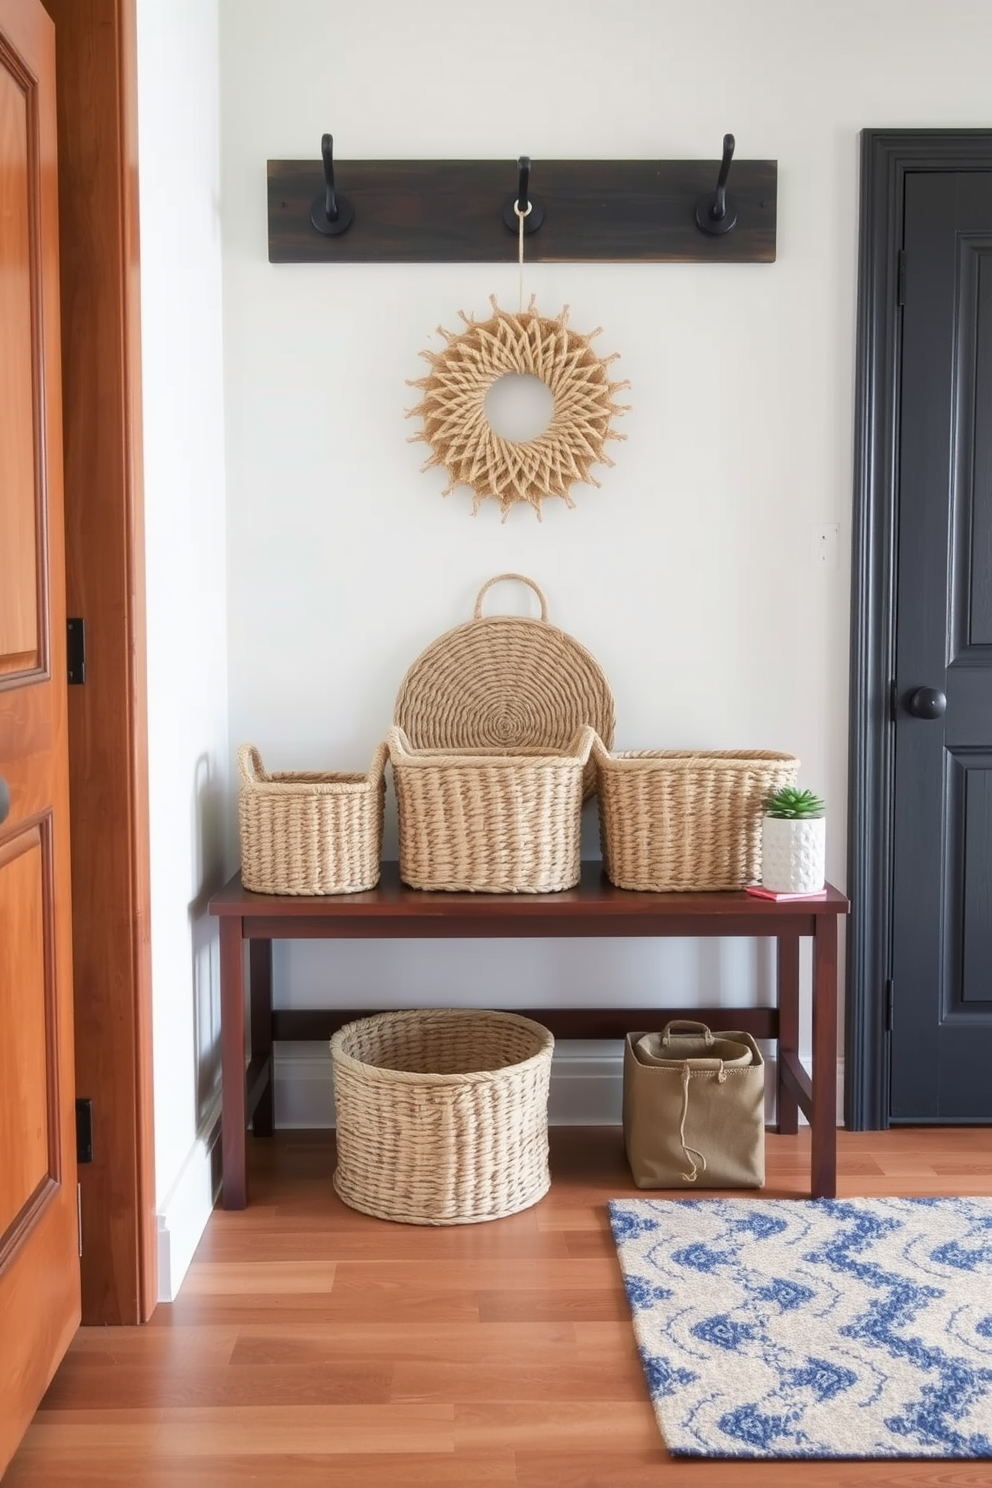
x: 96, y: 68
x: 886, y: 158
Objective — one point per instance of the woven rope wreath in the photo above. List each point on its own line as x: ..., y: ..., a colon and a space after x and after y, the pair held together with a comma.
x: 460, y: 435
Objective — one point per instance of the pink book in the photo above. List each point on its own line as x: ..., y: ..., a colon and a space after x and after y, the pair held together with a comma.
x: 762, y: 893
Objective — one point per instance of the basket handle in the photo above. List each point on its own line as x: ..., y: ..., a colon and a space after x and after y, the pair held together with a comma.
x: 685, y: 1024
x: 397, y: 744
x: 377, y: 769
x: 250, y: 765
x: 585, y: 742
x: 523, y: 579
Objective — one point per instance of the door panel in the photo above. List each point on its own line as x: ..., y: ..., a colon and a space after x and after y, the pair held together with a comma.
x: 976, y: 536
x: 39, y: 1264
x: 976, y: 930
x: 27, y: 1057
x: 942, y: 831
x: 18, y: 513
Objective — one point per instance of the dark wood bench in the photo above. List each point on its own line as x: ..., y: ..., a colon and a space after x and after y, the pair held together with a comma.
x: 594, y: 908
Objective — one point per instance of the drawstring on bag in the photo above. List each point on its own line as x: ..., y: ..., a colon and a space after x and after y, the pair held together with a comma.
x: 690, y: 1152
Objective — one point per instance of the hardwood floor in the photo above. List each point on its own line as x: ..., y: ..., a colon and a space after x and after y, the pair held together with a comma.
x: 313, y: 1345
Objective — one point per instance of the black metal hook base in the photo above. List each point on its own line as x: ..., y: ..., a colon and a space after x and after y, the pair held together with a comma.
x: 707, y: 223
x: 523, y: 202
x: 532, y: 219
x: 332, y: 227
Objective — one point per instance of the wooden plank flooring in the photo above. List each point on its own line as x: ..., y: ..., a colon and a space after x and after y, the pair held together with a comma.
x: 313, y: 1345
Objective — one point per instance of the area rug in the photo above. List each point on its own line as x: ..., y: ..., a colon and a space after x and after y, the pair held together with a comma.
x: 819, y: 1328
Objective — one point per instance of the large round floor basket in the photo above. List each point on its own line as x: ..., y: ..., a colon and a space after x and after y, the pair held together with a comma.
x: 442, y: 1114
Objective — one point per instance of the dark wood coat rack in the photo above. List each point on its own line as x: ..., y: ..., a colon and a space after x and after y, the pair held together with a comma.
x: 463, y: 211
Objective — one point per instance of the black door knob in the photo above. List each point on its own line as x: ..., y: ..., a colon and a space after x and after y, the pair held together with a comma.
x: 927, y: 702
x: 4, y: 799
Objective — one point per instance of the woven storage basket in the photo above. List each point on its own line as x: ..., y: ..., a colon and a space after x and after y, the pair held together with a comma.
x: 442, y: 1114
x: 676, y: 820
x: 495, y: 822
x: 505, y: 682
x: 310, y: 833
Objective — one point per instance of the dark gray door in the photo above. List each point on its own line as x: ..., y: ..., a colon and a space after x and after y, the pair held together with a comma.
x: 941, y: 1049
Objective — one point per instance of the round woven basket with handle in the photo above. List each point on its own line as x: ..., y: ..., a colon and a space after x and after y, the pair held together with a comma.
x: 504, y: 682
x: 442, y: 1114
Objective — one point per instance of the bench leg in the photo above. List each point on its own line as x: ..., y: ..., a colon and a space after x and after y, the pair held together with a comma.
x: 232, y: 1052
x: 824, y: 1119
x: 788, y: 1029
x: 260, y: 995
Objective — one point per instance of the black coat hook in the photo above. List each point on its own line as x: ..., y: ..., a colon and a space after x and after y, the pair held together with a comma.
x: 718, y: 213
x: 530, y: 207
x: 331, y: 214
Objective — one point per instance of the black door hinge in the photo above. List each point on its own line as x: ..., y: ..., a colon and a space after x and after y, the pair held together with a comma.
x: 901, y: 277
x: 888, y: 1005
x: 84, y: 1131
x: 76, y: 649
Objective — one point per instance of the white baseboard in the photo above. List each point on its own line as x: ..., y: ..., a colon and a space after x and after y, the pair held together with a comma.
x: 182, y: 1216
x: 586, y: 1086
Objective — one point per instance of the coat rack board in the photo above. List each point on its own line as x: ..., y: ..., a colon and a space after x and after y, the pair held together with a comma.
x: 462, y: 211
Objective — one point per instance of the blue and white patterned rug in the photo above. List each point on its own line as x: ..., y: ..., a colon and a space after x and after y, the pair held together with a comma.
x: 816, y: 1328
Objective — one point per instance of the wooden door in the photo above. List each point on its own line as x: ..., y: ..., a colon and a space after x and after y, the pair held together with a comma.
x: 941, y: 1053
x: 39, y: 1264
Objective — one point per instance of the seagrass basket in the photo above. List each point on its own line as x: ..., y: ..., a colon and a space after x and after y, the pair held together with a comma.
x: 309, y: 832
x: 442, y: 1114
x: 680, y: 820
x: 490, y: 821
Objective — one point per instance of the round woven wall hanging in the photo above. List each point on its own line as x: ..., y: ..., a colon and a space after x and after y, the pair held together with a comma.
x: 465, y: 443
x: 505, y: 682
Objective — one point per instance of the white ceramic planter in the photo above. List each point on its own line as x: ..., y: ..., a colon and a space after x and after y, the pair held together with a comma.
x: 793, y: 854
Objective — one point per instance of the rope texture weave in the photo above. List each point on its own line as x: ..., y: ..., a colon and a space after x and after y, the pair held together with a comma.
x: 460, y: 435
x: 672, y: 820
x: 307, y: 832
x: 505, y: 682
x: 442, y: 1114
x: 487, y: 821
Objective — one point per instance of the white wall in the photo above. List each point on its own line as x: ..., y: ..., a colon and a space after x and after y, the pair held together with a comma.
x: 689, y: 573
x: 184, y: 480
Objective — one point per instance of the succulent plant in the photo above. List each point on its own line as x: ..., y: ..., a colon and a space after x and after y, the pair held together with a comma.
x: 794, y: 804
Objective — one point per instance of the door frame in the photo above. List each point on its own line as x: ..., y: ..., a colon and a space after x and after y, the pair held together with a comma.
x: 886, y: 157
x: 96, y: 98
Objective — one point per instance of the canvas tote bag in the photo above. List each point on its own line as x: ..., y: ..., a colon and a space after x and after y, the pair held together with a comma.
x: 694, y: 1108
